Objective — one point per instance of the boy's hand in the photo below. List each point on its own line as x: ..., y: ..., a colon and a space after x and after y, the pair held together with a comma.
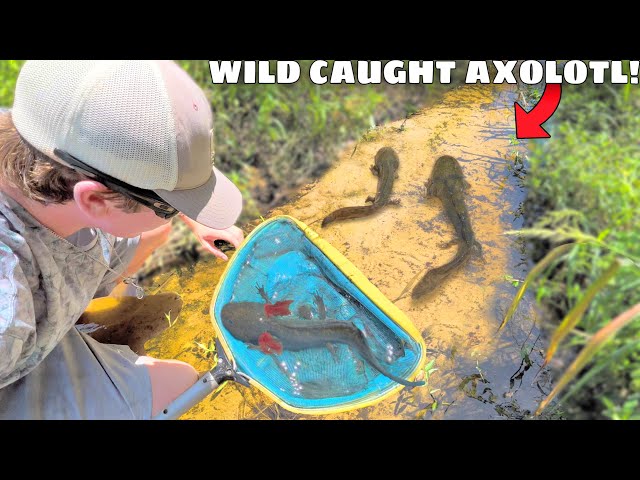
x: 206, y: 236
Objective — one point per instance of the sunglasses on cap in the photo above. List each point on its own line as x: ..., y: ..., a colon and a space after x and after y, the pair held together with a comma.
x: 148, y: 198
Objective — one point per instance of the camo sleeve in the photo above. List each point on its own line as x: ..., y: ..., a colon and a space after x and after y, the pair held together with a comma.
x: 17, y: 317
x: 123, y: 251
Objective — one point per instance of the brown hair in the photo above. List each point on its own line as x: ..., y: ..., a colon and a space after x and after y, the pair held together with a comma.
x: 37, y: 176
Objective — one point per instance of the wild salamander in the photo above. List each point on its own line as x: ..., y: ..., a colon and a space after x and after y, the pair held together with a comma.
x: 386, y: 169
x: 248, y: 322
x: 447, y: 183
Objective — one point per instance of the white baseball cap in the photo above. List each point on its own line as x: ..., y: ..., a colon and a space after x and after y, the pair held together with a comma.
x: 144, y: 123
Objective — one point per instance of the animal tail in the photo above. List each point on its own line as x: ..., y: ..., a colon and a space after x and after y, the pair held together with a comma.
x: 434, y: 277
x: 409, y: 285
x: 362, y: 346
x: 348, y: 212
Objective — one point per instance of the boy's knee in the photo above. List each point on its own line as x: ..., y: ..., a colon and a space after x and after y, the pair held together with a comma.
x: 169, y: 379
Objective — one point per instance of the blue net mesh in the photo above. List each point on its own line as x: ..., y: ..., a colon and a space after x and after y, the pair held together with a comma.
x: 279, y: 309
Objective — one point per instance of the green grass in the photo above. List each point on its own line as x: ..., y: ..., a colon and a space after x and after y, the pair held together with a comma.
x: 9, y: 70
x: 584, y: 186
x: 167, y: 316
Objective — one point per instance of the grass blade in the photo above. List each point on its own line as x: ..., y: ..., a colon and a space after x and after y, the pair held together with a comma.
x: 598, y: 367
x: 533, y: 274
x: 590, y: 349
x: 576, y: 313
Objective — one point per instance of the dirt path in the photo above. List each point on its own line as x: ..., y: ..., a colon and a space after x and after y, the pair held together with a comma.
x: 458, y: 321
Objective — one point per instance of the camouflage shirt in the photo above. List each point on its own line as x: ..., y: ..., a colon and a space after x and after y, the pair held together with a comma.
x: 46, y: 282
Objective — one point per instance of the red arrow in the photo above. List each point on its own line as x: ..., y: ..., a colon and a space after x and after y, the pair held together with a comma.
x: 528, y: 124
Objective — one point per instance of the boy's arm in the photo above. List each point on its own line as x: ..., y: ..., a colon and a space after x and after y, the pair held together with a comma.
x: 17, y: 317
x: 130, y: 254
x: 149, y: 242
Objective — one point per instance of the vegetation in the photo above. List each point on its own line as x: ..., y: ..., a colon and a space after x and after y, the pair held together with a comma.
x: 584, y: 191
x: 9, y: 70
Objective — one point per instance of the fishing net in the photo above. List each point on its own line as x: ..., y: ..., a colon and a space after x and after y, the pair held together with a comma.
x: 284, y: 275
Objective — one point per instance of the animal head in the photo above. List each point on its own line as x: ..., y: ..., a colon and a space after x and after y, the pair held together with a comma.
x: 389, y: 153
x: 446, y: 171
x: 244, y: 320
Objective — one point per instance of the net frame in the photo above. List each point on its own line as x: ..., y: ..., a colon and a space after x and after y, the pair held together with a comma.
x: 360, y: 281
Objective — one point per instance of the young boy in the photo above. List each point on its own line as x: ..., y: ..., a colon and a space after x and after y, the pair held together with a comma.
x: 96, y: 157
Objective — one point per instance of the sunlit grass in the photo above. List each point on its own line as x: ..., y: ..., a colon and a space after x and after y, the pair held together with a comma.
x: 599, y: 339
x: 534, y: 274
x: 584, y: 186
x: 575, y: 315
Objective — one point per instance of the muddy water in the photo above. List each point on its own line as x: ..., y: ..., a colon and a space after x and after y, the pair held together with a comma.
x: 480, y: 374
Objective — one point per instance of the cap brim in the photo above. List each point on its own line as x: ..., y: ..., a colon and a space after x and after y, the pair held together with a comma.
x: 216, y: 204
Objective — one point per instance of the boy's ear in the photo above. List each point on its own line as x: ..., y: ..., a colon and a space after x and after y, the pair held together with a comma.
x: 88, y: 198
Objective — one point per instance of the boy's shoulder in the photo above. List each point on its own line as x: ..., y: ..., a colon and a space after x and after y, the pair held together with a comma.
x: 46, y: 282
x: 16, y: 221
x: 13, y: 224
x: 37, y: 251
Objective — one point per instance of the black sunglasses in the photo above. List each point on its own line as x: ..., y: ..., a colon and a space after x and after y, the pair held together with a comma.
x: 148, y: 198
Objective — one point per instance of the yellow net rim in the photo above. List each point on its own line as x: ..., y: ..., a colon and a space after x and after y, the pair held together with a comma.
x: 361, y: 282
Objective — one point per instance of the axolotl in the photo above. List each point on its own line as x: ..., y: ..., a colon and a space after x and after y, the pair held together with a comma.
x: 257, y: 322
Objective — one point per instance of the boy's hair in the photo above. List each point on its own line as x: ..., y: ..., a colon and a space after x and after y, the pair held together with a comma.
x: 37, y: 176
